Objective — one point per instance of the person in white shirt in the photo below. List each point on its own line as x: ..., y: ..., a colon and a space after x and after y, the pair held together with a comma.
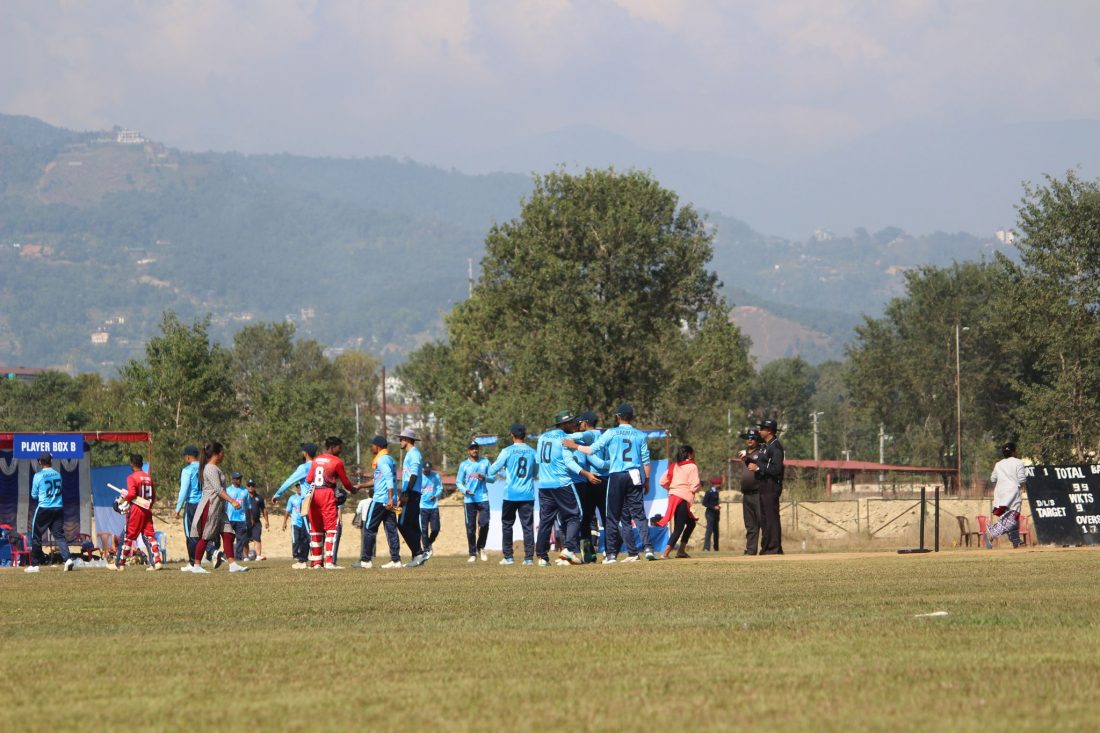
x: 1010, y: 475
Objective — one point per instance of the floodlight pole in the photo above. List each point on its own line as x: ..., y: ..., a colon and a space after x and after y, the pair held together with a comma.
x: 958, y: 414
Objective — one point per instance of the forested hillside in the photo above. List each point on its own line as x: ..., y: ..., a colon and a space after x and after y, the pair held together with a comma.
x: 99, y: 237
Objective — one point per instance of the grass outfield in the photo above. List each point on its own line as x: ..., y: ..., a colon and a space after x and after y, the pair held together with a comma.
x: 807, y: 642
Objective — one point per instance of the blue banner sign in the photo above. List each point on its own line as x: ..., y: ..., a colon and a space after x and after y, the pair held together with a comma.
x: 60, y: 445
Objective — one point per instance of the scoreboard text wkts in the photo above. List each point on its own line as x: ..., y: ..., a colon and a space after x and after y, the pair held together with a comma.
x: 1064, y: 504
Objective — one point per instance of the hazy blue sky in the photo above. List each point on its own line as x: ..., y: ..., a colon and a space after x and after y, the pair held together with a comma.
x: 428, y: 79
x: 440, y: 81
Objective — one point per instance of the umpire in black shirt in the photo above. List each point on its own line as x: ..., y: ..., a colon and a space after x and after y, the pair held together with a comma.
x: 769, y: 475
x: 750, y: 489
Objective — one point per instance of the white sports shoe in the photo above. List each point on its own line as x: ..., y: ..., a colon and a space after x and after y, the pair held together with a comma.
x: 649, y: 555
x: 609, y: 559
x: 543, y: 563
x: 300, y: 565
x: 484, y: 556
x: 199, y: 570
x: 333, y: 566
x: 428, y: 552
x: 187, y: 569
x: 235, y: 568
x: 630, y: 558
x: 473, y: 558
x: 31, y: 569
x: 392, y: 565
x: 571, y: 558
x: 559, y: 562
x: 507, y: 561
x: 262, y: 557
x: 68, y: 565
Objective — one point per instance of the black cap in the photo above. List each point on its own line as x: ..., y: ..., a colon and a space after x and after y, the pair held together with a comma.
x: 518, y: 429
x: 250, y: 482
x: 625, y: 410
x: 310, y: 448
x: 236, y: 475
x: 45, y: 457
x: 769, y: 424
x: 564, y: 416
x: 379, y: 441
x: 473, y: 446
x: 191, y: 450
x: 751, y: 434
x: 426, y: 466
x: 588, y: 416
x: 1008, y: 449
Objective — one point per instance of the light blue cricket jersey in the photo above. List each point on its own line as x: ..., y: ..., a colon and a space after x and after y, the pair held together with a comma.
x: 46, y: 488
x: 626, y: 448
x: 556, y: 463
x: 466, y: 481
x: 520, y: 466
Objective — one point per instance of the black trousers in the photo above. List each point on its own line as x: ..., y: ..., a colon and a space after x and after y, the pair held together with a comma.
x: 525, y: 510
x: 682, y: 524
x: 409, y: 523
x: 429, y: 526
x: 377, y: 515
x: 54, y: 521
x: 192, y: 542
x: 771, y: 533
x: 593, y: 497
x: 241, y: 533
x: 477, y: 525
x: 300, y: 543
x: 750, y: 508
x: 560, y: 505
x: 711, y: 536
x: 624, y: 503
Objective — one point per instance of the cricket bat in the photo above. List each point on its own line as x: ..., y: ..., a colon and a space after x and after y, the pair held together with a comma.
x: 143, y: 503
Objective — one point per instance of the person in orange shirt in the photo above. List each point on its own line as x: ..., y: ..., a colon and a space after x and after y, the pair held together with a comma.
x: 682, y: 482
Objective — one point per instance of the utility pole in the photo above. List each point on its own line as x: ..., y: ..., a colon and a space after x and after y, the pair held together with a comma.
x: 470, y: 277
x: 958, y: 412
x: 385, y: 418
x: 358, y: 460
x: 881, y: 451
x: 814, y: 416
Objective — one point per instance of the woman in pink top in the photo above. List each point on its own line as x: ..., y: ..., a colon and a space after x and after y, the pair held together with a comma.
x: 682, y: 481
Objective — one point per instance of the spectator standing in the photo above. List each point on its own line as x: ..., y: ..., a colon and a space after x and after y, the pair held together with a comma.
x: 712, y: 507
x: 258, y: 511
x: 682, y: 482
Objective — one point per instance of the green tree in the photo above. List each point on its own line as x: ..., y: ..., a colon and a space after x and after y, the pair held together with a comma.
x: 598, y: 293
x: 287, y: 393
x: 1051, y: 313
x: 903, y: 366
x: 181, y: 392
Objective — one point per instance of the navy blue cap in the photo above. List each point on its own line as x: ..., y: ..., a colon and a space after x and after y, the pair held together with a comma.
x: 191, y: 450
x: 769, y: 424
x: 310, y: 448
x: 588, y: 416
x: 518, y: 429
x: 625, y: 410
x: 236, y: 474
x: 379, y: 441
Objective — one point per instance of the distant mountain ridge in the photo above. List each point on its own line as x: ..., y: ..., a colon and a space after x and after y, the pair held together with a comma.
x: 102, y: 231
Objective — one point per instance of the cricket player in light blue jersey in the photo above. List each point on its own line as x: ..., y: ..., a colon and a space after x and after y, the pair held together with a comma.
x: 558, y: 500
x: 187, y: 502
x: 520, y: 466
x: 470, y: 480
x: 430, y: 494
x: 408, y: 524
x: 593, y: 496
x: 50, y: 514
x: 628, y: 457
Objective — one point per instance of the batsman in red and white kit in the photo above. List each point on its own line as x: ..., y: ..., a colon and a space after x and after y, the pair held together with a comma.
x: 323, y: 514
x: 140, y: 495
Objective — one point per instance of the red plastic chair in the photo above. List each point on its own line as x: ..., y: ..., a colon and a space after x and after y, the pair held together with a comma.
x: 1025, y: 530
x: 25, y: 552
x: 983, y: 528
